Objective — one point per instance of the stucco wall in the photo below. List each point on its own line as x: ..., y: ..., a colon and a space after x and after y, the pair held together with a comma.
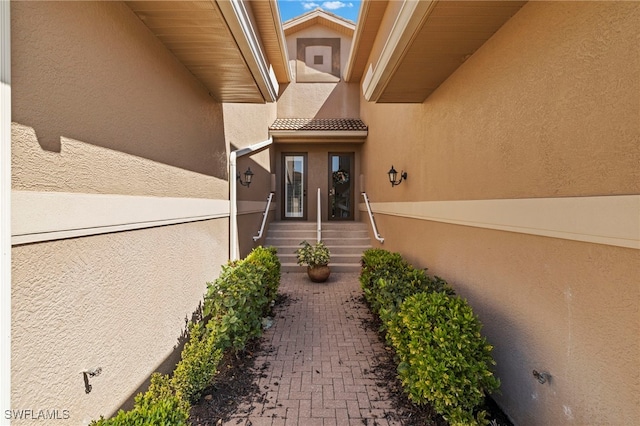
x: 548, y: 107
x: 117, y: 301
x: 248, y: 124
x: 101, y: 107
x: 318, y: 100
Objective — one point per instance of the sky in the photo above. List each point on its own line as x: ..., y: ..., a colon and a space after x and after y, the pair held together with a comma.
x: 292, y: 8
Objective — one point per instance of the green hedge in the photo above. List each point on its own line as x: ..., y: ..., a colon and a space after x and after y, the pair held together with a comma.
x: 233, y: 308
x: 442, y: 358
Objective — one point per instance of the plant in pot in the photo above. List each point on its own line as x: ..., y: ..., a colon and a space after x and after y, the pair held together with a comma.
x: 316, y: 257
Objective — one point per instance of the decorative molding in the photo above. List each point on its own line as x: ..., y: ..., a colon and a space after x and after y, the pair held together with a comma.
x: 45, y: 216
x: 612, y: 220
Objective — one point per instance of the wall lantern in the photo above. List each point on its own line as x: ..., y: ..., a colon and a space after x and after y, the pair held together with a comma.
x: 248, y: 175
x: 393, y: 175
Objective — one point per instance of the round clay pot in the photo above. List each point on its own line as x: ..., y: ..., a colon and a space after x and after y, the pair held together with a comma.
x: 318, y: 274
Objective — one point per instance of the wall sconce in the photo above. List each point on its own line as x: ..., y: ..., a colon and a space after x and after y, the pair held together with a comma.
x: 248, y: 175
x: 393, y: 175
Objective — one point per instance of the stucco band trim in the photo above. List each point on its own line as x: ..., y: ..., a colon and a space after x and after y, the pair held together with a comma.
x: 611, y: 220
x: 44, y: 216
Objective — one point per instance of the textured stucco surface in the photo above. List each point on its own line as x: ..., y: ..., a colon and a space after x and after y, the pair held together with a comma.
x: 319, y: 100
x: 548, y: 107
x: 116, y: 301
x: 90, y: 74
x: 564, y: 307
x: 100, y: 106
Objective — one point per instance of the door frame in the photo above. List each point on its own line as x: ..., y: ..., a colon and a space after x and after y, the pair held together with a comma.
x: 305, y: 172
x: 352, y: 159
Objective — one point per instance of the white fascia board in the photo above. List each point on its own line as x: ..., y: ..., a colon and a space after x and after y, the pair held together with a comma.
x: 410, y: 19
x: 241, y: 27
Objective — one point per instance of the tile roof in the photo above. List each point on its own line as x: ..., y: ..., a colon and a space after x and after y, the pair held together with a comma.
x: 318, y: 124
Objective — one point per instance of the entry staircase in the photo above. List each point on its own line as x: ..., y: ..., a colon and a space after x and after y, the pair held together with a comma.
x: 346, y: 242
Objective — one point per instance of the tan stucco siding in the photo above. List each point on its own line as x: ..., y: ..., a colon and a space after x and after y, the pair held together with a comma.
x: 116, y: 301
x: 564, y: 307
x: 101, y: 109
x: 547, y: 108
x: 318, y: 100
x: 89, y: 75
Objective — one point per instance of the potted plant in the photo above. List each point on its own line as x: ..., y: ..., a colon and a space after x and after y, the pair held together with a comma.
x: 316, y: 257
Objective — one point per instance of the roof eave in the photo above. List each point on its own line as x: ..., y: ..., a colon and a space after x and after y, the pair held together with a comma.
x: 292, y: 136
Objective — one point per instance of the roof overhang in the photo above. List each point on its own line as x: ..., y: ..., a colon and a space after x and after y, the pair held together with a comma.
x: 425, y: 43
x: 219, y: 42
x: 319, y: 17
x: 330, y: 130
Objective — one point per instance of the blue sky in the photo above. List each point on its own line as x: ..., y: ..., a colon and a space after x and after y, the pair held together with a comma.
x: 345, y: 8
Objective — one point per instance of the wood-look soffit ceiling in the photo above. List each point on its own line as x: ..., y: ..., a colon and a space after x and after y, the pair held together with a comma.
x: 429, y: 41
x: 211, y: 39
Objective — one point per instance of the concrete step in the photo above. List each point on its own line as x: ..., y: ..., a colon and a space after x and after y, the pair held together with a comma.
x: 346, y: 242
x: 329, y: 242
x: 335, y: 267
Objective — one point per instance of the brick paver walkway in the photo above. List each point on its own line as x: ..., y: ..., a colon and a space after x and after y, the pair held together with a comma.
x: 319, y: 360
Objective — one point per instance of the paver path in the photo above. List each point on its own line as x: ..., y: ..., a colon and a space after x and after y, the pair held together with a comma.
x: 318, y: 360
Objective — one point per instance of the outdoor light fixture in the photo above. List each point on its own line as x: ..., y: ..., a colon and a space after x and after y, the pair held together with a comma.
x: 248, y: 175
x: 393, y: 175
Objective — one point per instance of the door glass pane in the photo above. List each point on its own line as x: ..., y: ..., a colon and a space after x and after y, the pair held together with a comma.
x: 340, y: 203
x: 294, y: 186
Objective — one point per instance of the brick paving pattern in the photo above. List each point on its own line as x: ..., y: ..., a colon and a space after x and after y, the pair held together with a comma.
x: 317, y: 360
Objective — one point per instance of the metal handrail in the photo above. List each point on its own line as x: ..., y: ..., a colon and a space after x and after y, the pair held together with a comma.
x: 264, y: 218
x: 373, y: 221
x: 319, y: 220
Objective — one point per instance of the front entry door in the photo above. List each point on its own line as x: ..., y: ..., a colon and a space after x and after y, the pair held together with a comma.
x: 341, y: 170
x: 295, y: 186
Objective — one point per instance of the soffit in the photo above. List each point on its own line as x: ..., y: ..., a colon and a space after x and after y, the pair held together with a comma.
x: 370, y: 17
x: 450, y: 33
x: 267, y: 19
x: 198, y: 35
x: 319, y: 17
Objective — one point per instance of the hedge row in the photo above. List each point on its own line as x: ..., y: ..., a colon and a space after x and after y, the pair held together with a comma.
x: 442, y: 358
x: 233, y: 308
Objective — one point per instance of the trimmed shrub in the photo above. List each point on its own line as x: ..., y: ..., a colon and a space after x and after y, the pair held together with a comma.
x: 443, y: 358
x: 199, y: 364
x: 233, y: 309
x: 158, y: 406
x: 387, y: 279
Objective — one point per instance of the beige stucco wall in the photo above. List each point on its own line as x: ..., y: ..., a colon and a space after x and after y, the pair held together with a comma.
x: 248, y: 124
x: 548, y: 107
x: 101, y: 107
x: 318, y: 100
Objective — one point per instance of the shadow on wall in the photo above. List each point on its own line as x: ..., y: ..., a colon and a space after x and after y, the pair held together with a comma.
x: 168, y: 365
x: 69, y: 80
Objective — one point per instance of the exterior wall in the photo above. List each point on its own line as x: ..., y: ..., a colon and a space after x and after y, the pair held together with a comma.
x: 547, y: 109
x: 247, y: 124
x: 318, y: 100
x: 101, y: 107
x: 317, y: 175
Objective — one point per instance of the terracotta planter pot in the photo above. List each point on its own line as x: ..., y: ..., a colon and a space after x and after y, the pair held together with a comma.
x: 318, y: 274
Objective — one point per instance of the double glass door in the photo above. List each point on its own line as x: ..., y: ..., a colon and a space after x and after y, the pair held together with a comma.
x: 340, y: 193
